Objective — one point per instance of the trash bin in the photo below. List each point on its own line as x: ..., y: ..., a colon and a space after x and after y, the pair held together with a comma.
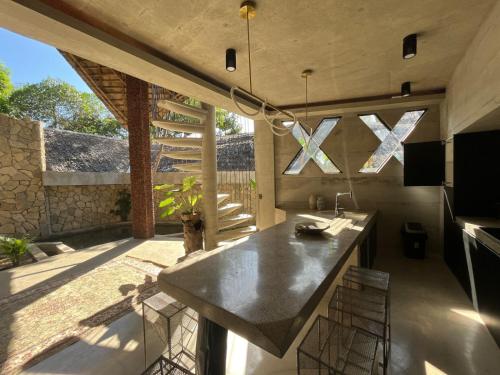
x: 414, y: 238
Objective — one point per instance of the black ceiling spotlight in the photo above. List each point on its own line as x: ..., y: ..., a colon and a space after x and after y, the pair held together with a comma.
x: 409, y: 46
x: 230, y: 59
x: 405, y: 89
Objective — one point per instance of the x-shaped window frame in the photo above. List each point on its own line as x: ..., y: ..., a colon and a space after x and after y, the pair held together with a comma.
x: 313, y: 151
x: 391, y: 139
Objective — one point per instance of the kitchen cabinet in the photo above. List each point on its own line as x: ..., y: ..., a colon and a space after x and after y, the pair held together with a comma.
x: 486, y: 281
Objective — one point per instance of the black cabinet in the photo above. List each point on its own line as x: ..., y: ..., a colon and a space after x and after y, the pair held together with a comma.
x: 486, y: 270
x: 368, y: 248
x: 454, y: 250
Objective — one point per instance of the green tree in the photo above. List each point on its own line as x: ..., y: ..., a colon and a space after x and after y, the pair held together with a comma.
x: 227, y: 122
x: 60, y: 105
x: 5, y: 88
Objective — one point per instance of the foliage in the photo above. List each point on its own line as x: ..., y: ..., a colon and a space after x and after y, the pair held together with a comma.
x: 184, y: 199
x: 253, y: 184
x: 123, y: 205
x: 60, y: 105
x: 6, y: 88
x: 227, y: 122
x: 14, y: 248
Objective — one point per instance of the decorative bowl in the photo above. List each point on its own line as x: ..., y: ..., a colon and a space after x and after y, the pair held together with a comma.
x: 311, y: 227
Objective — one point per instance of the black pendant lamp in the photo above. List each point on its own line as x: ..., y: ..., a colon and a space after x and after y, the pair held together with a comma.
x: 230, y: 59
x: 410, y: 46
x: 406, y: 89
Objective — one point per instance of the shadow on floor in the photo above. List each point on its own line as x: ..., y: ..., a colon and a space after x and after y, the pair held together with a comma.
x: 41, y: 289
x: 430, y: 335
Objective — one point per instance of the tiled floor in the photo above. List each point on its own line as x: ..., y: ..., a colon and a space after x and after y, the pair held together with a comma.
x: 435, y: 331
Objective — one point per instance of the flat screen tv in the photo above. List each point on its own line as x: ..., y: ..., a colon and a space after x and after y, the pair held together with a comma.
x: 424, y: 164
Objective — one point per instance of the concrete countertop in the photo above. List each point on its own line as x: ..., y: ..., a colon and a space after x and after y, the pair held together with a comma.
x: 473, y: 226
x: 265, y: 287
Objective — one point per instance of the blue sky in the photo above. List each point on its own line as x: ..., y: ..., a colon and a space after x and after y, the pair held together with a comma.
x: 30, y: 61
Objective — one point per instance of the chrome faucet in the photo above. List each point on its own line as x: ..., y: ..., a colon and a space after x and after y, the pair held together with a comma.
x: 337, y: 196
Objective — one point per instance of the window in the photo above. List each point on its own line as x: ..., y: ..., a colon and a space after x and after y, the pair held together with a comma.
x: 391, y: 139
x: 313, y: 151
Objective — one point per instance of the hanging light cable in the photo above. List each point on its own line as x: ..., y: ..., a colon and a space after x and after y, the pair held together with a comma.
x: 249, y: 52
x: 247, y: 11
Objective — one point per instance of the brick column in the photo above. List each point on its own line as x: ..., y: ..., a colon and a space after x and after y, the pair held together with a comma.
x: 140, y: 158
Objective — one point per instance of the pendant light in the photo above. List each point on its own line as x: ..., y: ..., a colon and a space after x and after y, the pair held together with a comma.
x: 248, y: 12
x: 409, y: 46
x: 277, y: 126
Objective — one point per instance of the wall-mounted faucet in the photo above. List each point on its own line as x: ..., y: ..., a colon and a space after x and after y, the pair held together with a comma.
x: 337, y: 208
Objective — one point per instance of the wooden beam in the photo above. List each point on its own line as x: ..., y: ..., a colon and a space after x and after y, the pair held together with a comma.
x: 140, y: 158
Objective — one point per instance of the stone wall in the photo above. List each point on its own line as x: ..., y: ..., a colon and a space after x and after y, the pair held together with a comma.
x: 41, y: 203
x: 78, y: 207
x: 22, y: 198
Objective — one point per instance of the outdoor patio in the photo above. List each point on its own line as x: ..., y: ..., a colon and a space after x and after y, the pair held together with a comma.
x: 251, y: 188
x: 51, y: 304
x: 98, y: 340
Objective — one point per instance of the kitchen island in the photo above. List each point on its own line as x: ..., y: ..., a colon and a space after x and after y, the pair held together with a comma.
x: 266, y: 287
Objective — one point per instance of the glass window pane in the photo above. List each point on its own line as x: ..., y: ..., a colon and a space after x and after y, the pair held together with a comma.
x: 311, y: 148
x: 391, y: 140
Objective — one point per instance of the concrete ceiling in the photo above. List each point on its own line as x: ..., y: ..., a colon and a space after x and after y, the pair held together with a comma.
x: 353, y: 46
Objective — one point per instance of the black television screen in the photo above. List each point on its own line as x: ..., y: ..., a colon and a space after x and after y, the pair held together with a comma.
x: 424, y: 164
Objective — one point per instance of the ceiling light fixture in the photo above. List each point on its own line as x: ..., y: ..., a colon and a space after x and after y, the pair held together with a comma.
x: 406, y: 89
x: 277, y: 126
x: 230, y: 59
x: 409, y: 46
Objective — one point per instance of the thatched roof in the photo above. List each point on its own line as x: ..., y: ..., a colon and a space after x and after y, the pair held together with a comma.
x: 67, y: 151
x: 110, y: 86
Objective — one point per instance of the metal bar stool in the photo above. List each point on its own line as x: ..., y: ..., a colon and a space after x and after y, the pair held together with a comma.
x: 363, y: 310
x: 332, y: 348
x: 174, y: 325
x: 376, y: 282
x: 164, y: 366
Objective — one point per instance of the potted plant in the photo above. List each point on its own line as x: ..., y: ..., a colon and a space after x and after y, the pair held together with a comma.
x: 14, y: 248
x: 184, y: 201
x: 123, y: 205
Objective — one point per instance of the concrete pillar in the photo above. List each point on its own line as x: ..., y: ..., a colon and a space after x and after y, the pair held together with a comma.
x: 209, y: 178
x: 140, y: 158
x: 264, y: 174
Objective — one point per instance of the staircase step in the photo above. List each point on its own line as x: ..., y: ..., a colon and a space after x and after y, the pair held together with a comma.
x: 180, y: 142
x: 221, y: 197
x: 183, y: 109
x: 228, y: 208
x: 178, y: 126
x: 188, y: 167
x: 182, y: 155
x: 232, y: 221
x: 234, y: 234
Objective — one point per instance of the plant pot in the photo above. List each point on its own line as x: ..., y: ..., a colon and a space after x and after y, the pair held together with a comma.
x: 193, y: 232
